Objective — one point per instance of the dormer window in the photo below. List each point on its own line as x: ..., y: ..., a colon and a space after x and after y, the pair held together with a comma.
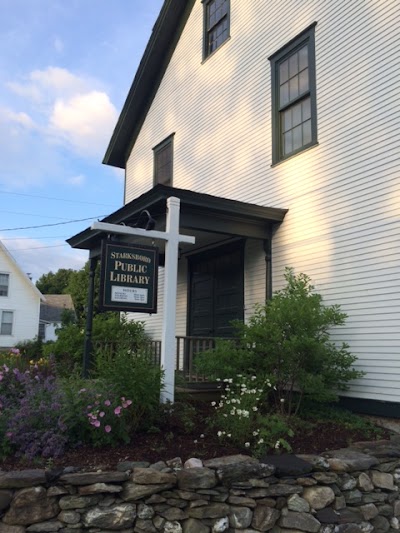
x: 216, y: 24
x: 4, y: 284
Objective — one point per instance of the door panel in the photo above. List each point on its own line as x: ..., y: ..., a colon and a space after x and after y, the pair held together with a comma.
x: 217, y: 293
x: 201, y: 323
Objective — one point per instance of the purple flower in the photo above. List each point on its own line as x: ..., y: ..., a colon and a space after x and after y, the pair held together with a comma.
x: 107, y: 429
x: 101, y: 414
x: 96, y: 423
x: 117, y: 410
x: 107, y: 403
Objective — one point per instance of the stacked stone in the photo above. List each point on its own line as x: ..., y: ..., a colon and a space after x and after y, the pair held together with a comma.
x: 353, y: 490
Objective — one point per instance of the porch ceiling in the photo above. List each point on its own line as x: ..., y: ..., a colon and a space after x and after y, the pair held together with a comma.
x: 209, y: 218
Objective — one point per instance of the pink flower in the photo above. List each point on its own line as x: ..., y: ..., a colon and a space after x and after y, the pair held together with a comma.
x: 107, y: 403
x: 127, y: 403
x: 117, y: 410
x: 107, y: 429
x: 101, y: 414
x: 1, y: 377
x: 96, y: 423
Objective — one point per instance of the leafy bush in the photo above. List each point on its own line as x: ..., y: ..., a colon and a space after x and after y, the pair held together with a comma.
x: 288, y: 339
x: 92, y: 413
x: 31, y: 349
x: 31, y: 407
x: 109, y: 331
x: 134, y: 376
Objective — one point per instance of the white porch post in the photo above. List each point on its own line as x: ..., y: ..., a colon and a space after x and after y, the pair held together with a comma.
x: 172, y: 239
x: 168, y: 348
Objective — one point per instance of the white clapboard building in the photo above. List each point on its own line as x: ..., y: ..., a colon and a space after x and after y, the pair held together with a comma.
x: 277, y: 125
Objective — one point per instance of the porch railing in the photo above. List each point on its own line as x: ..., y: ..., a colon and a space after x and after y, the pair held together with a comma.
x: 187, y: 349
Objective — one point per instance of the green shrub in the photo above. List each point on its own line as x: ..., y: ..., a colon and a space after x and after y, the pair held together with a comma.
x: 288, y: 339
x: 110, y: 330
x: 134, y: 376
x: 93, y: 414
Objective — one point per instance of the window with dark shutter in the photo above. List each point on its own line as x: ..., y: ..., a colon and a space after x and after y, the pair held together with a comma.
x: 216, y: 24
x: 163, y: 162
x: 294, y: 108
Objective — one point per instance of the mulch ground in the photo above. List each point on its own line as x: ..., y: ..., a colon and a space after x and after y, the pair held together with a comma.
x: 172, y: 442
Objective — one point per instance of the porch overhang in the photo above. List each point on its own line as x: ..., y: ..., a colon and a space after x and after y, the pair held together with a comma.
x: 201, y: 214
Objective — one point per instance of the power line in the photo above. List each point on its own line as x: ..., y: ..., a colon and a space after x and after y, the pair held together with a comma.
x: 32, y: 215
x: 55, y: 224
x: 57, y: 199
x: 27, y: 238
x: 36, y: 248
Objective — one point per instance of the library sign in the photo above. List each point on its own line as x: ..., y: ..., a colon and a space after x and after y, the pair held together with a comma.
x: 128, y: 278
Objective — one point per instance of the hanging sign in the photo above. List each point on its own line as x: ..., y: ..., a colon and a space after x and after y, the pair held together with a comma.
x: 128, y: 280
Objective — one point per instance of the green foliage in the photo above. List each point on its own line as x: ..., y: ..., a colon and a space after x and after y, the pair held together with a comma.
x: 31, y: 350
x: 237, y: 413
x: 55, y: 282
x: 134, y: 376
x: 109, y: 331
x: 272, y: 433
x: 78, y: 288
x: 288, y: 339
x: 93, y: 414
x: 333, y: 413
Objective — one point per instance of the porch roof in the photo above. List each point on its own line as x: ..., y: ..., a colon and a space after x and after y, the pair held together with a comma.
x: 200, y: 213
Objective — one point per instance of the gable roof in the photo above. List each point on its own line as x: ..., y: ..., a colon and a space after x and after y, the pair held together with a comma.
x: 23, y: 274
x: 52, y: 309
x: 156, y: 57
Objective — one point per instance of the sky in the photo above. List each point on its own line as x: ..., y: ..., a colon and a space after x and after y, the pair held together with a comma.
x: 66, y: 67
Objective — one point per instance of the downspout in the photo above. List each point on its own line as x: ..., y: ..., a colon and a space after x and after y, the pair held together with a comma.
x: 268, y: 265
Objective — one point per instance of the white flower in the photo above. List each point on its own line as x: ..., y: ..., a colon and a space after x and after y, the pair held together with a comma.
x: 195, y: 441
x: 232, y: 412
x: 255, y: 409
x: 277, y: 444
x: 261, y: 441
x: 239, y: 412
x: 202, y: 436
x: 255, y: 433
x: 247, y: 444
x: 229, y: 435
x: 219, y: 433
x: 213, y: 403
x: 282, y: 400
x: 253, y: 378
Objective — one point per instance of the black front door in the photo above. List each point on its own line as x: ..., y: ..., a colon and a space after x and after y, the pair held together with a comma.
x: 216, y: 291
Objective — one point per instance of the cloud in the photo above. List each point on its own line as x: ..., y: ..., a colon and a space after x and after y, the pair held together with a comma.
x: 21, y: 118
x: 45, y: 85
x: 71, y: 110
x: 34, y: 256
x: 77, y: 180
x: 84, y: 121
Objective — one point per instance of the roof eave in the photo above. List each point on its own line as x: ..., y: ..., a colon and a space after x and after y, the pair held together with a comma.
x: 158, y: 52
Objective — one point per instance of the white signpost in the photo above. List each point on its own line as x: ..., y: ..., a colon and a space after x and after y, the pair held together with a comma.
x: 172, y: 238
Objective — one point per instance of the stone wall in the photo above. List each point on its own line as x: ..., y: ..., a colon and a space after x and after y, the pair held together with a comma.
x: 345, y: 491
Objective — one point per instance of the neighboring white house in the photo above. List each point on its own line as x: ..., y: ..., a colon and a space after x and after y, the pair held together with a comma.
x: 51, y: 315
x: 19, y: 303
x: 277, y: 125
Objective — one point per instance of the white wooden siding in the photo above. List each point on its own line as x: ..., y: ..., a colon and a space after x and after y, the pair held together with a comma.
x: 23, y: 301
x: 343, y: 224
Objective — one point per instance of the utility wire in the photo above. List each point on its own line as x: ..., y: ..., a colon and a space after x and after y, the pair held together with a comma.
x: 35, y: 248
x: 55, y: 224
x: 27, y: 238
x: 57, y: 199
x: 32, y: 215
